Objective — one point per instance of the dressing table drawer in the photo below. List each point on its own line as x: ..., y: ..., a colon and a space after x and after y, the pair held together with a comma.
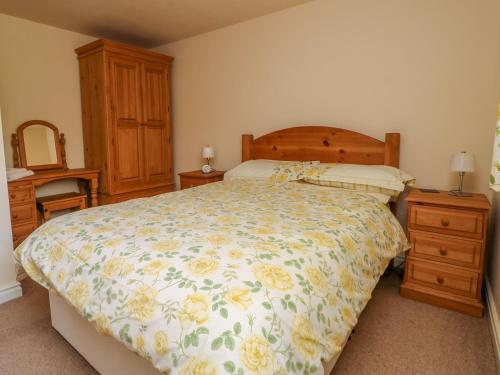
x: 21, y: 193
x: 22, y: 213
x: 21, y: 231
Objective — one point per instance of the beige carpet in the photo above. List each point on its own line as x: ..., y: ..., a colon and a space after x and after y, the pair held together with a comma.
x: 393, y: 336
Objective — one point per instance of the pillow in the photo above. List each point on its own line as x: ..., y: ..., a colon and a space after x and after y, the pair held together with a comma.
x: 269, y: 170
x: 380, y: 179
x: 383, y: 198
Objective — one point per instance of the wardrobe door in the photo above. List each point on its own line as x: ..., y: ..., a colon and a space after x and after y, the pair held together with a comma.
x: 126, y: 133
x: 156, y: 124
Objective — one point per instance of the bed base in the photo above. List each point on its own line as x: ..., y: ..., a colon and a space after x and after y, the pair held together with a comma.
x: 107, y: 355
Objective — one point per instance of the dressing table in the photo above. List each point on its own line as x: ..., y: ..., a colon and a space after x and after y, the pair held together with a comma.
x: 37, y: 146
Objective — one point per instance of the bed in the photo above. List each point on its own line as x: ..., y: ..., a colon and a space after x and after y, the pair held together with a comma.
x: 233, y: 277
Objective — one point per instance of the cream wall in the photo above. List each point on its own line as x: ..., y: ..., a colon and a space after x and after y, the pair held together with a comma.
x: 427, y: 69
x: 39, y: 79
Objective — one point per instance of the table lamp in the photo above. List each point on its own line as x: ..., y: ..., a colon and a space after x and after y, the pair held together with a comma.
x: 207, y: 153
x: 462, y: 162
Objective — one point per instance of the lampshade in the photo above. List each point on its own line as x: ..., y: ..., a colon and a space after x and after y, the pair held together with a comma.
x: 462, y: 162
x: 207, y: 152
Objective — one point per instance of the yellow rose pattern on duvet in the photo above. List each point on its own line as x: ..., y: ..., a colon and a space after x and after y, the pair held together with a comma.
x: 235, y: 277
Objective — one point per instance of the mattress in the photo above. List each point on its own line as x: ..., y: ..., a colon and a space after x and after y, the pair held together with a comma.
x: 235, y: 276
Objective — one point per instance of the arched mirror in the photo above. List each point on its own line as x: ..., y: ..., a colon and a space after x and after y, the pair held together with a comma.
x: 38, y: 146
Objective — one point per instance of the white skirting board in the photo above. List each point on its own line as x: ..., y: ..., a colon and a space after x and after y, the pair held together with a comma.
x: 10, y: 291
x: 494, y: 322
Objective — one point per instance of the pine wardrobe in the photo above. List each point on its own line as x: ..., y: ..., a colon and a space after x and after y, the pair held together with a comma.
x: 125, y: 93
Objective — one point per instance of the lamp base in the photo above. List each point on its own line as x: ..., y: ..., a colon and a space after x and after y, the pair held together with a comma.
x: 459, y: 193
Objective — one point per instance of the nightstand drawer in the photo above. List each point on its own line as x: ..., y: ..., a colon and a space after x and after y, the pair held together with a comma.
x: 25, y: 212
x: 446, y: 249
x: 187, y: 182
x: 197, y: 178
x: 444, y: 278
x: 464, y: 223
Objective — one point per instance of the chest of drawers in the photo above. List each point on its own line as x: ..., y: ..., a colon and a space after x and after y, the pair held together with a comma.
x: 445, y: 264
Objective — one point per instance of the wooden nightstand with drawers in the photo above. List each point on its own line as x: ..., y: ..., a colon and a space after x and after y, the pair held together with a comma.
x: 445, y: 264
x: 197, y: 178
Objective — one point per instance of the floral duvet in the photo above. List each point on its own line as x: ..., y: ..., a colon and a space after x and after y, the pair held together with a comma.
x: 236, y: 277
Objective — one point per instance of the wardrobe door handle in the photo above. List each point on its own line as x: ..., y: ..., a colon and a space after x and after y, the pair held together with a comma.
x: 445, y: 222
x: 443, y: 251
x: 440, y: 280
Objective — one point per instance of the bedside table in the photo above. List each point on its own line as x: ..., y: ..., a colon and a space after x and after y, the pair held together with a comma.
x: 445, y: 264
x: 197, y: 178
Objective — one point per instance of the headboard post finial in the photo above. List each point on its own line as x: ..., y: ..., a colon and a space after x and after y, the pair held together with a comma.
x: 246, y: 147
x: 391, y: 155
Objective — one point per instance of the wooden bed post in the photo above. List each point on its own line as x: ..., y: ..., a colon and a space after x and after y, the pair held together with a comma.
x: 246, y: 147
x: 391, y: 155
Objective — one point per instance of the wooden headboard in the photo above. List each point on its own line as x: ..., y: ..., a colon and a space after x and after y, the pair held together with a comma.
x: 323, y: 143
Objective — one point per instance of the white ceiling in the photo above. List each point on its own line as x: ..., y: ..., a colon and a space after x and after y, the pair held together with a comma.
x: 147, y: 23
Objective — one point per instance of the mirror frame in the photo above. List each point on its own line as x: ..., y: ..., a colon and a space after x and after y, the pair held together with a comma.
x: 19, y: 147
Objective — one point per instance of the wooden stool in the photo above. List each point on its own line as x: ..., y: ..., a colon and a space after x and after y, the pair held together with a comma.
x: 59, y: 202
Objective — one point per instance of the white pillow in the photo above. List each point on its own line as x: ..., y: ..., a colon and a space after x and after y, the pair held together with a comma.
x: 254, y: 169
x: 369, y: 178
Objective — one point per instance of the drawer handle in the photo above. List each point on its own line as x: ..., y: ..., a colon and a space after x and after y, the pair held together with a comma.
x: 443, y: 251
x: 440, y: 280
x: 12, y: 196
x: 445, y: 222
x: 14, y: 216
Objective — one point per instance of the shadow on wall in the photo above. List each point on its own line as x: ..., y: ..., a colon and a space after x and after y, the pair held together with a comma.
x: 402, y: 208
